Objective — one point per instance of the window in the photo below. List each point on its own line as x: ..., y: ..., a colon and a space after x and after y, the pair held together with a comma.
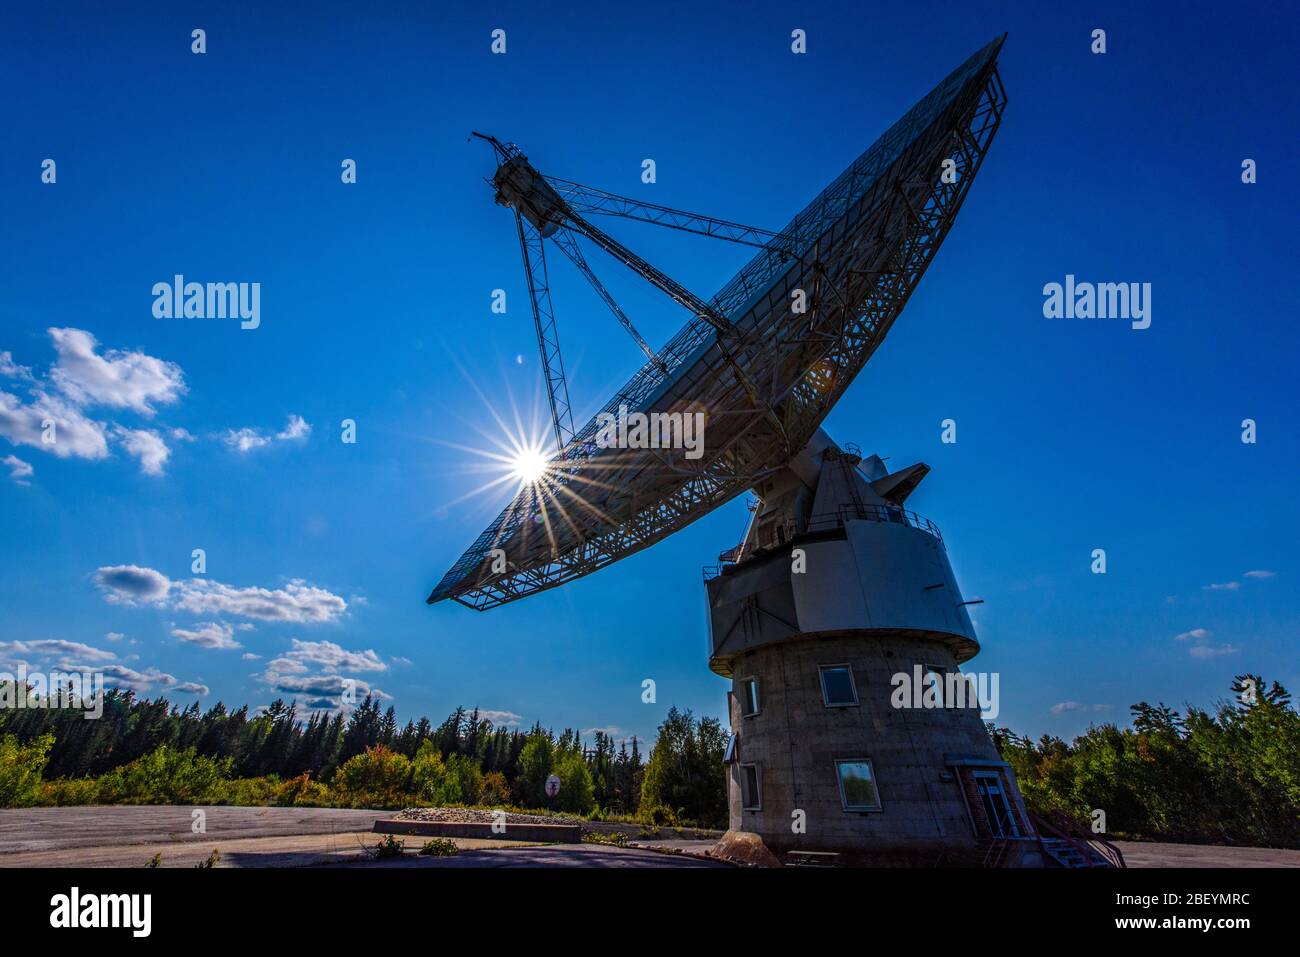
x: 729, y: 755
x: 857, y: 784
x: 749, y: 697
x: 751, y: 794
x: 996, y: 807
x: 838, y: 690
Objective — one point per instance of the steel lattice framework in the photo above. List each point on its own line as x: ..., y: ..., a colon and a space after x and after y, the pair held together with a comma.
x: 765, y: 374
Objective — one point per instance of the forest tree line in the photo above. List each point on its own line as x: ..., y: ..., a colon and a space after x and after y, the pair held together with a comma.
x: 1230, y: 775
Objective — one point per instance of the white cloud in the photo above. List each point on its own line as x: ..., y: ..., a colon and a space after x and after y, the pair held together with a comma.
x: 19, y: 470
x: 1066, y: 706
x: 247, y: 439
x: 1223, y: 586
x: 1196, y: 634
x: 11, y: 370
x: 209, y: 634
x: 249, y: 656
x: 501, y: 719
x: 1211, y: 651
x: 130, y: 584
x: 297, y: 602
x: 147, y: 446
x: 73, y: 435
x: 1259, y: 573
x: 328, y: 656
x: 51, y: 647
x: 118, y: 378
x: 114, y: 636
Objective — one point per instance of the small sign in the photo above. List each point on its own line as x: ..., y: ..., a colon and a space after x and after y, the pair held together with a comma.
x: 552, y: 786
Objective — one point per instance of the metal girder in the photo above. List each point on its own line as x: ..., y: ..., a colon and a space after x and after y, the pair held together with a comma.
x: 592, y: 201
x: 548, y: 340
x: 569, y: 246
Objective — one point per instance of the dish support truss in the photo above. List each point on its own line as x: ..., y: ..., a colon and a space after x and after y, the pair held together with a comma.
x: 857, y: 251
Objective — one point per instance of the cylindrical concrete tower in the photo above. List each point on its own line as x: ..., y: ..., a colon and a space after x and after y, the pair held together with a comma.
x: 855, y: 736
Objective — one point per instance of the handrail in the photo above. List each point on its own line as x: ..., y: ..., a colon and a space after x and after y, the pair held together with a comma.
x: 863, y: 512
x: 1073, y: 833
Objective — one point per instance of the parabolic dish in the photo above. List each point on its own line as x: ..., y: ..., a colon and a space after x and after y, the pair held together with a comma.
x: 857, y: 251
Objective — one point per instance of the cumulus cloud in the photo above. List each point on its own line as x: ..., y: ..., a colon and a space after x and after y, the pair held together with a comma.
x: 51, y: 424
x: 502, y: 719
x: 118, y: 378
x: 132, y: 584
x: 1203, y: 644
x: 147, y: 446
x: 12, y: 370
x: 326, y: 655
x: 19, y: 470
x: 52, y: 647
x: 297, y: 602
x: 209, y: 634
x: 247, y: 439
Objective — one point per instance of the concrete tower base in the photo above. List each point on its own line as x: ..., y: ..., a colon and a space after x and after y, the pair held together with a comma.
x: 856, y: 738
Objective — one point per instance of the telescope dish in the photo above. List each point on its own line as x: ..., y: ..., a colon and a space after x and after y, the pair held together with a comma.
x: 764, y: 373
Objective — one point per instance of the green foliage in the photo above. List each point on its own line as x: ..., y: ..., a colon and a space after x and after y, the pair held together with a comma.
x: 685, y: 779
x: 378, y: 777
x: 166, y: 776
x: 154, y: 862
x: 213, y: 860
x: 535, y: 763
x: 389, y: 847
x: 616, y: 838
x: 440, y: 847
x: 495, y: 790
x: 1228, y: 777
x: 577, y: 793
x: 70, y: 792
x: 20, y: 770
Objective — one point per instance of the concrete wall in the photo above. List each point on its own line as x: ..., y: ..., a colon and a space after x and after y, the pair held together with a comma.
x: 795, y: 739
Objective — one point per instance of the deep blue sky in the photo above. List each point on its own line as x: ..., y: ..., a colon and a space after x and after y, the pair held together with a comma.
x: 375, y: 306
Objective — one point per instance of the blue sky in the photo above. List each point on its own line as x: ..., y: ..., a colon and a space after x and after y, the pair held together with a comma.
x: 1072, y: 435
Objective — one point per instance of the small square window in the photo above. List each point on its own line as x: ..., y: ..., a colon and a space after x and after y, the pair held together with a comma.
x: 857, y: 784
x: 838, y: 689
x: 749, y: 697
x: 751, y: 794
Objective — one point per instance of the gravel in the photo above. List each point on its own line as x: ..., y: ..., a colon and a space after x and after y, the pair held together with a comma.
x: 464, y: 815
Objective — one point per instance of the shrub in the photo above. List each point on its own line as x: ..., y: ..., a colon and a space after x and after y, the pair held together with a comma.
x: 440, y: 847
x: 70, y: 792
x: 166, y: 776
x: 378, y: 778
x: 20, y: 770
x: 302, y: 791
x: 430, y: 779
x: 495, y: 790
x: 251, y: 792
x: 389, y: 847
x: 465, y: 771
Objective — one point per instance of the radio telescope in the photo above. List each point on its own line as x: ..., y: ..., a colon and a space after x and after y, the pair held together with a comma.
x: 837, y: 589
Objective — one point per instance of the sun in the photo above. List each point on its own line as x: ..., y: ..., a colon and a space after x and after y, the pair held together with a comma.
x: 528, y: 465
